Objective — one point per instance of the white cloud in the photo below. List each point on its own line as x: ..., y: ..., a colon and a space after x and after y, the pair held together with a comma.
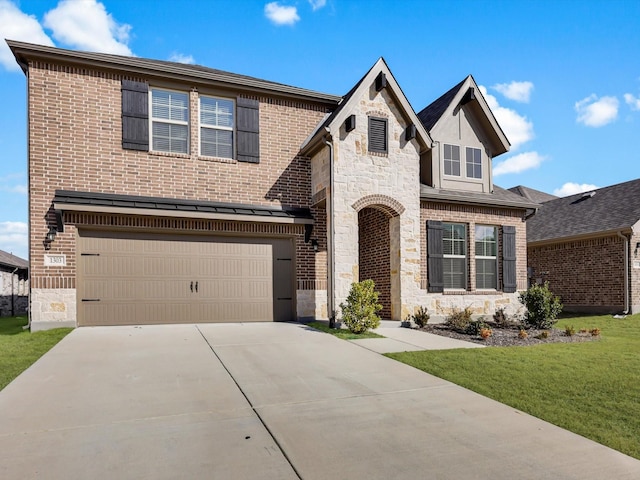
x: 280, y: 14
x: 632, y: 101
x: 13, y: 238
x: 597, y: 112
x: 317, y: 4
x: 182, y: 58
x: 86, y: 25
x: 516, y: 127
x: 17, y: 25
x: 12, y: 183
x: 517, y: 91
x: 518, y: 163
x: 571, y: 188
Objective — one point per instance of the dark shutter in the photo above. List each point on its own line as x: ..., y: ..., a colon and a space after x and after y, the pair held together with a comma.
x: 509, y: 278
x: 248, y: 126
x: 378, y: 135
x: 434, y: 256
x: 135, y: 115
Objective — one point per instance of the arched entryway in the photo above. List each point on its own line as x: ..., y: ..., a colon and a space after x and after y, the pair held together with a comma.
x: 378, y: 239
x: 374, y: 249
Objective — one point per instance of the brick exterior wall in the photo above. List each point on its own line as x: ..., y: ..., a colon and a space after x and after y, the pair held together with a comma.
x: 635, y: 271
x: 374, y: 251
x: 75, y: 143
x: 481, y: 302
x: 588, y: 275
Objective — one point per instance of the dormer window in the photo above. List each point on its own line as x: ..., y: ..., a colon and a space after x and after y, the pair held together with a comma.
x: 452, y: 160
x: 474, y: 163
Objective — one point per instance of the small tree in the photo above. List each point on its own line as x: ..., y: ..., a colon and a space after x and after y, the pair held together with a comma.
x: 543, y: 307
x: 360, y: 311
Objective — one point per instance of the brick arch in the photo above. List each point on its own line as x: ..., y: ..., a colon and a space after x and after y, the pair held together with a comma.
x: 384, y: 203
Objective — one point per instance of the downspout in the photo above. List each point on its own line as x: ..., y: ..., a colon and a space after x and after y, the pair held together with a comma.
x: 331, y: 297
x: 626, y: 272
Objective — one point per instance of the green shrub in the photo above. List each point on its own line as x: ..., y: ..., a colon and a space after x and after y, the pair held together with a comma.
x: 543, y: 307
x: 459, y: 320
x: 475, y: 327
x: 569, y: 330
x: 421, y: 317
x: 360, y: 311
x: 502, y: 320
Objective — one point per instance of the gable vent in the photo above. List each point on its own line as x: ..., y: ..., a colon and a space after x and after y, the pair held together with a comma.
x: 377, y: 135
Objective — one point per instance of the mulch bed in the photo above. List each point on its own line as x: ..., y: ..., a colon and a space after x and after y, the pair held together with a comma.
x: 508, y: 337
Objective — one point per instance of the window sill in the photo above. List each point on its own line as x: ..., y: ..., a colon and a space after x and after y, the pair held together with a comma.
x: 169, y: 154
x: 204, y: 158
x: 472, y: 292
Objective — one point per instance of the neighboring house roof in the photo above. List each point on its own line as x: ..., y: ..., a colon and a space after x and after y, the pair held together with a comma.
x: 500, y: 197
x: 136, y: 65
x: 605, y: 210
x: 466, y: 93
x: 67, y: 200
x: 333, y: 121
x: 532, y: 194
x: 9, y: 260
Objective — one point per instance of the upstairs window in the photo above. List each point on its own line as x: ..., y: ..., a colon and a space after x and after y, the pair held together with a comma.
x: 452, y: 160
x: 486, y: 257
x: 474, y: 163
x: 216, y: 127
x: 169, y: 121
x: 377, y: 135
x: 454, y: 261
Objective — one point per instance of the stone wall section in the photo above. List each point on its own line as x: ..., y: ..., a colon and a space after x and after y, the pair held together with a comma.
x: 14, y: 294
x: 634, y: 272
x: 359, y: 173
x: 75, y: 144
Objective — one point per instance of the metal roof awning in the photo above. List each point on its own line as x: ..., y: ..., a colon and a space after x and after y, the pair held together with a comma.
x: 67, y: 201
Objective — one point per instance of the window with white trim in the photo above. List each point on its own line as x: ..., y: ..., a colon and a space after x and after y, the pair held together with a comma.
x: 169, y: 121
x: 486, y: 257
x: 451, y: 160
x: 454, y: 250
x: 474, y: 163
x: 216, y: 127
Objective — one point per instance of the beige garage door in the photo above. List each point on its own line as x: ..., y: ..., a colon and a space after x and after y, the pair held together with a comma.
x: 136, y: 278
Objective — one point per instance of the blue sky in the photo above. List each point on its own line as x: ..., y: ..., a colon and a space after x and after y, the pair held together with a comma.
x: 562, y: 76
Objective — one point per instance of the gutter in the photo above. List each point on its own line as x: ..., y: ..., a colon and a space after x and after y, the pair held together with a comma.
x: 331, y: 297
x: 626, y: 272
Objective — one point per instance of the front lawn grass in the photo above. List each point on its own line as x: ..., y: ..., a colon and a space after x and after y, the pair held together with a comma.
x: 342, y: 333
x: 20, y: 348
x: 591, y: 388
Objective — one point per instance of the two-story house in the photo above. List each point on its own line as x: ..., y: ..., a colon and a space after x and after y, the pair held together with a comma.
x: 164, y: 193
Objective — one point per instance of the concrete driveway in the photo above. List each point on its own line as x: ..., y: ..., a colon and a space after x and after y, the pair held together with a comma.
x: 272, y: 401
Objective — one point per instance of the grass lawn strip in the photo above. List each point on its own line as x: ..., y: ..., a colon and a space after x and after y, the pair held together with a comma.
x: 592, y: 388
x: 341, y: 332
x: 19, y: 348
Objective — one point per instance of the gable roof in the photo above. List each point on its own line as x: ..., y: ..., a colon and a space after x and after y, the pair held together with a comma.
x: 434, y: 112
x: 499, y: 197
x: 605, y: 210
x: 12, y: 261
x: 24, y: 52
x: 336, y: 118
x: 532, y: 194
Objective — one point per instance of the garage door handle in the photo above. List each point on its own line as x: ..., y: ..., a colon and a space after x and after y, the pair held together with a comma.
x: 284, y: 298
x: 90, y: 299
x: 196, y: 287
x: 191, y: 287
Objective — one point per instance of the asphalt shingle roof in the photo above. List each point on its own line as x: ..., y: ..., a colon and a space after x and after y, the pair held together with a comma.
x: 532, y: 194
x: 610, y: 208
x: 430, y: 114
x: 499, y: 197
x: 11, y: 260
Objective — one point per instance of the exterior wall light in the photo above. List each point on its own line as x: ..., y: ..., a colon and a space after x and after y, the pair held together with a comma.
x: 51, y: 236
x: 635, y: 252
x: 314, y: 244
